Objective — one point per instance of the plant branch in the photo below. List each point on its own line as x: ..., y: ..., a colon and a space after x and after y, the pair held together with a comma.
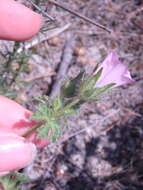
x: 44, y: 13
x: 81, y: 16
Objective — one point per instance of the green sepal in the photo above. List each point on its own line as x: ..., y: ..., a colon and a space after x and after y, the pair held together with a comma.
x: 103, y: 89
x: 69, y: 89
x: 94, y: 95
x: 89, y: 83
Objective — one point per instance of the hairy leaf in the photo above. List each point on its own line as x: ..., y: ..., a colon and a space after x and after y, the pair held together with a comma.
x: 57, y: 103
x: 13, y: 181
x: 70, y: 88
x: 90, y: 82
x: 43, y: 113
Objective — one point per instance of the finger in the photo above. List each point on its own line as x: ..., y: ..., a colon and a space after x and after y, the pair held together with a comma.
x: 15, y: 153
x: 3, y: 173
x: 17, y: 22
x: 14, y: 117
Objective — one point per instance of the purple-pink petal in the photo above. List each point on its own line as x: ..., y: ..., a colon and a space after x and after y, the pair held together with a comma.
x: 113, y: 72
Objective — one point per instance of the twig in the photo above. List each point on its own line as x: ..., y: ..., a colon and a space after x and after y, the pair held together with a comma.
x: 44, y: 13
x: 65, y: 62
x: 46, y: 36
x: 137, y: 23
x: 133, y: 13
x: 49, y: 74
x: 80, y: 16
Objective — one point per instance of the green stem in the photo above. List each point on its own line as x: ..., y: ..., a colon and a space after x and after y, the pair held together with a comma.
x: 60, y: 113
x: 28, y: 133
x: 68, y: 106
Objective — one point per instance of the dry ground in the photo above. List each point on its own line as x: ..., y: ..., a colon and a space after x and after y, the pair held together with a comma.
x: 104, y: 146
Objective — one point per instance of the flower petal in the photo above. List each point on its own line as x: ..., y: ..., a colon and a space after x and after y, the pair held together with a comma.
x: 113, y: 72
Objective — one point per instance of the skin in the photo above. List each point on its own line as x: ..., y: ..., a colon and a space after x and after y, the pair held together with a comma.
x: 15, y: 152
x: 17, y: 22
x: 14, y: 118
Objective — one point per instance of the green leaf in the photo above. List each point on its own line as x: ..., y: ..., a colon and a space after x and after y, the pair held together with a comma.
x: 90, y: 82
x: 103, y: 89
x: 43, y: 131
x: 20, y: 177
x: 43, y: 113
x: 69, y: 112
x: 56, y: 132
x: 13, y: 181
x: 88, y: 93
x: 57, y: 103
x: 98, y: 91
x: 69, y: 89
x: 53, y: 126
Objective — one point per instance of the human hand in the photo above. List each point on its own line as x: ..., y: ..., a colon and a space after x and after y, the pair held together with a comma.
x: 17, y: 22
x: 15, y: 151
x: 15, y: 119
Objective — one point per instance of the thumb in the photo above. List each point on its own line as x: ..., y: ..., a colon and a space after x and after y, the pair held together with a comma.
x: 17, y: 22
x: 15, y: 153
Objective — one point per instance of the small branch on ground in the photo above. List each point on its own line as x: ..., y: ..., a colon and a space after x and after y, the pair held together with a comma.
x: 47, y: 35
x: 80, y: 16
x: 65, y: 62
x: 40, y: 10
x: 44, y: 75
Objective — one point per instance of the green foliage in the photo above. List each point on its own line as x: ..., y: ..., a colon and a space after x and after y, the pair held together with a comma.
x: 8, y: 73
x: 89, y: 82
x: 44, y: 113
x: 71, y: 88
x: 57, y: 104
x: 94, y: 95
x: 52, y: 128
x: 49, y: 111
x: 13, y: 181
x: 73, y: 94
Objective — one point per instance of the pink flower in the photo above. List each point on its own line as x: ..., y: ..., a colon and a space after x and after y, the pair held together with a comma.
x: 114, y: 71
x: 15, y: 152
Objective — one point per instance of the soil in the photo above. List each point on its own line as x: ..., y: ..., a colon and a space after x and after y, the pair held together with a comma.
x: 104, y: 146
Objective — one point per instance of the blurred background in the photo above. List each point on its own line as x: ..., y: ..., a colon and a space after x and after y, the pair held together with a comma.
x: 103, y: 146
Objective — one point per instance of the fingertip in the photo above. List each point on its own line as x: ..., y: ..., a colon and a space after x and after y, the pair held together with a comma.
x: 18, y: 22
x: 15, y: 152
